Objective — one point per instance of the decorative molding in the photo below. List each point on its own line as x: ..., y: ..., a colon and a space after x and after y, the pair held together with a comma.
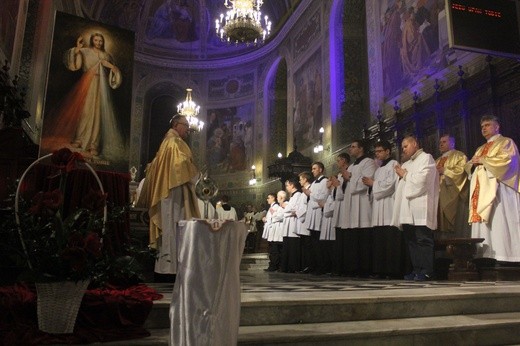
x: 244, y: 59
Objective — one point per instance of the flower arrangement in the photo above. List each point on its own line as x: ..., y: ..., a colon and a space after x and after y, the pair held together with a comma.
x: 62, y: 247
x: 70, y: 245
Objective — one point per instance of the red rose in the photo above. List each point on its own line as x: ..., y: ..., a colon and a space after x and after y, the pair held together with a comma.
x: 46, y: 203
x: 93, y: 244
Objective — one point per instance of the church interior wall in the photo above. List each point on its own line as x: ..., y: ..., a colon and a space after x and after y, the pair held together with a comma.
x: 351, y: 107
x: 448, y: 92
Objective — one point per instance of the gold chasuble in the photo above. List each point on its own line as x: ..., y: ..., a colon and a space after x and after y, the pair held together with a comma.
x: 172, y: 167
x: 453, y: 187
x: 500, y: 163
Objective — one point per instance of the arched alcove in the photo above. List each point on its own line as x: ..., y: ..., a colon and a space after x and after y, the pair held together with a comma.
x: 160, y: 104
x: 276, y: 91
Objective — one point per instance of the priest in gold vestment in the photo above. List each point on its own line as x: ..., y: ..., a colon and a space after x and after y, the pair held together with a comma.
x: 453, y: 194
x: 494, y: 194
x: 169, y: 194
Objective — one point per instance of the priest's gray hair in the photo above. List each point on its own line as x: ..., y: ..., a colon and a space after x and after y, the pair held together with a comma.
x: 175, y: 119
x: 490, y: 117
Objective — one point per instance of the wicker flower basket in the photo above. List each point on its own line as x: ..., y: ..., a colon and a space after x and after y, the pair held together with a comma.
x: 58, y: 305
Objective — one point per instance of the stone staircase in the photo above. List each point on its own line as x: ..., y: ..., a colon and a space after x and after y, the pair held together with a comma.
x: 475, y: 315
x: 455, y: 316
x: 360, y: 312
x: 254, y: 262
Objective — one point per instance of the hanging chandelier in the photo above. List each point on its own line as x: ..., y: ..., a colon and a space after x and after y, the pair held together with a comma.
x: 190, y: 110
x: 243, y: 22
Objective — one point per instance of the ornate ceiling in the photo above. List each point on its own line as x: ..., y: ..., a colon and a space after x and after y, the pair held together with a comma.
x: 179, y: 29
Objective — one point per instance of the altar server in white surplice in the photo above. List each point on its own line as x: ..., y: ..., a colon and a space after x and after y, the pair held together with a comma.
x: 291, y: 251
x: 388, y: 248
x: 363, y: 166
x: 415, y: 209
x: 327, y: 232
x: 269, y: 230
x: 225, y: 211
x: 360, y: 214
x: 340, y: 217
x: 494, y: 194
x: 317, y: 194
x: 305, y: 180
x: 276, y: 235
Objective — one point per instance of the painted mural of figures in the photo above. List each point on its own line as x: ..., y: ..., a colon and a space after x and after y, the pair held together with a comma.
x: 214, y: 147
x: 229, y: 145
x: 161, y: 26
x: 317, y: 100
x: 237, y: 155
x: 391, y: 47
x: 414, y: 49
x: 307, y: 116
x: 248, y: 143
x: 174, y: 20
x: 427, y: 26
x: 237, y: 150
x: 97, y: 120
x: 184, y: 23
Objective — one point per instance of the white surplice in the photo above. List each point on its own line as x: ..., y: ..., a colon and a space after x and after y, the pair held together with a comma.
x: 269, y: 221
x: 276, y: 232
x: 230, y: 214
x: 417, y: 194
x: 291, y: 222
x: 301, y: 214
x: 319, y: 194
x: 360, y: 215
x: 383, y: 193
x: 343, y: 220
x: 327, y: 231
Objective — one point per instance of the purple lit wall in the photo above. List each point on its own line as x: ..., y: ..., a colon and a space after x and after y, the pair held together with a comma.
x: 337, y: 84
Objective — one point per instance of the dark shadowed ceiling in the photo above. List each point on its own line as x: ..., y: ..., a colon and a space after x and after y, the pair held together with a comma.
x: 179, y: 29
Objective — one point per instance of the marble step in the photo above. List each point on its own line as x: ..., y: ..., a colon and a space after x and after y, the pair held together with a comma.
x: 257, y: 266
x: 476, y: 329
x: 500, y: 273
x: 471, y: 329
x: 253, y: 257
x: 324, y: 307
x: 254, y: 262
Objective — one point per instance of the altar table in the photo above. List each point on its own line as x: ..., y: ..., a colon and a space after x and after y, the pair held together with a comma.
x: 205, y: 307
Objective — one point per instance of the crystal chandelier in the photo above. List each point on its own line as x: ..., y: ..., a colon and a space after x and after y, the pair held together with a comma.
x: 190, y: 110
x: 243, y: 22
